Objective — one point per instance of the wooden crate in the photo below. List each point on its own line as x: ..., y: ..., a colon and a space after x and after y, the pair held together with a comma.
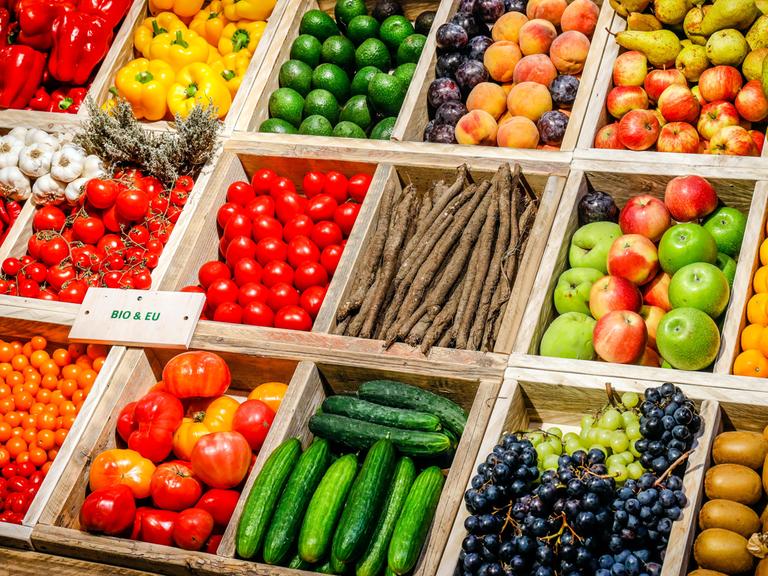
x: 632, y: 162
x: 539, y: 399
x: 14, y: 535
x: 743, y: 194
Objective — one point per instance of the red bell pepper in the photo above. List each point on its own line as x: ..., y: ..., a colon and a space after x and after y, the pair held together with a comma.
x: 14, y: 209
x: 36, y: 19
x: 112, y: 10
x: 80, y: 42
x: 5, y: 26
x: 156, y: 417
x: 41, y: 101
x: 67, y: 100
x: 21, y: 69
x: 154, y: 526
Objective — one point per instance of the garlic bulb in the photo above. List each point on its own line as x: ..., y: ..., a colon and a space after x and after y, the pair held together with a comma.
x: 47, y: 190
x: 37, y: 136
x: 14, y: 184
x: 9, y: 151
x: 75, y: 190
x: 35, y: 159
x: 68, y: 163
x: 19, y: 134
x: 94, y: 167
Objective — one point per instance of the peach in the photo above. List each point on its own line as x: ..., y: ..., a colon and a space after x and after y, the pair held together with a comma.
x: 551, y: 10
x: 489, y: 97
x: 536, y: 36
x: 508, y: 85
x: 501, y: 60
x: 518, y: 132
x: 508, y: 26
x: 580, y: 15
x: 529, y: 99
x: 534, y: 68
x: 506, y: 117
x: 569, y: 52
x: 476, y: 127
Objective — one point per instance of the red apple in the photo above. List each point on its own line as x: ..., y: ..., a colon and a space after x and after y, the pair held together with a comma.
x: 633, y: 257
x: 751, y: 102
x: 650, y: 357
x: 689, y: 198
x: 639, y: 129
x: 620, y: 336
x: 656, y: 293
x: 678, y: 104
x: 733, y: 141
x: 608, y: 137
x: 759, y: 139
x: 652, y: 316
x: 630, y: 69
x: 613, y: 293
x: 678, y: 137
x: 715, y: 116
x: 645, y: 215
x: 658, y: 80
x: 720, y: 83
x: 622, y: 99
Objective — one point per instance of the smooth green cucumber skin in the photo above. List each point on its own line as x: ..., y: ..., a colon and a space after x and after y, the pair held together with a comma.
x: 296, y: 563
x: 375, y: 557
x: 360, y: 435
x: 265, y: 493
x: 352, y: 407
x: 400, y: 395
x: 413, y: 525
x: 325, y: 508
x: 284, y: 528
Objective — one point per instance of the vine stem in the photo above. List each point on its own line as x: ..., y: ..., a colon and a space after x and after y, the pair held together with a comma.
x: 674, y: 465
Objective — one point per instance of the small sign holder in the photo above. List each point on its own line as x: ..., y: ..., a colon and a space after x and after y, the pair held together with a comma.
x: 137, y: 318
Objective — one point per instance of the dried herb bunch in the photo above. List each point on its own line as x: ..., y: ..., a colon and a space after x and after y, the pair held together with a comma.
x: 441, y: 265
x: 120, y: 140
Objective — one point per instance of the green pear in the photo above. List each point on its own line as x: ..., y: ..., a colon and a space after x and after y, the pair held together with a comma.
x: 685, y: 43
x: 757, y: 37
x: 647, y: 22
x: 729, y: 14
x: 660, y: 47
x: 727, y: 48
x: 626, y: 7
x: 692, y: 24
x: 671, y: 11
x: 764, y: 75
x: 692, y: 61
x: 752, y: 67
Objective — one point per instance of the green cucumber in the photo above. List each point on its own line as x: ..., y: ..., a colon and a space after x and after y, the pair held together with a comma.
x: 264, y: 496
x: 399, y: 395
x: 336, y: 565
x: 293, y: 503
x: 325, y: 568
x: 385, y: 415
x: 375, y: 557
x: 413, y: 525
x: 296, y: 563
x: 360, y: 435
x: 325, y: 508
x: 364, y: 503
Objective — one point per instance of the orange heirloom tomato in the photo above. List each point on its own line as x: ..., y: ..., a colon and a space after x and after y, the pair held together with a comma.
x: 118, y: 466
x: 196, y: 374
x: 207, y: 416
x: 271, y: 393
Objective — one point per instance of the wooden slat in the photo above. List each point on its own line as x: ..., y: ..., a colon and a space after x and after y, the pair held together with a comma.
x: 28, y: 563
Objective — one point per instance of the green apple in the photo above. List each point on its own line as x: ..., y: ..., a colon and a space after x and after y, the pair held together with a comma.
x: 572, y: 290
x: 727, y: 225
x: 702, y: 286
x: 685, y: 244
x: 569, y: 336
x: 665, y: 364
x: 688, y: 339
x: 728, y: 266
x: 590, y: 245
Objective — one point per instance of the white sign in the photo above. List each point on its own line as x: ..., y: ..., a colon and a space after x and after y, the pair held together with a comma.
x: 138, y: 317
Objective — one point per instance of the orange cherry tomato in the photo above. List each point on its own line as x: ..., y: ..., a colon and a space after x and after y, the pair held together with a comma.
x: 98, y: 363
x: 7, y: 405
x: 30, y: 436
x: 24, y: 400
x: 46, y: 421
x: 5, y: 431
x: 60, y: 436
x: 47, y: 466
x: 38, y: 357
x: 118, y: 466
x: 95, y: 350
x: 46, y: 439
x: 16, y: 446
x: 52, y: 453
x: 38, y: 456
x: 19, y: 361
x: 49, y: 382
x: 13, y: 418
x: 5, y: 391
x: 38, y: 342
x: 5, y: 457
x: 76, y: 350
x: 61, y: 357
x: 26, y: 349
x: 6, y: 352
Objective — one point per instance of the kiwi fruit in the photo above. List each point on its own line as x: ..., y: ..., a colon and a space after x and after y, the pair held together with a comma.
x: 733, y: 482
x: 729, y: 516
x: 723, y: 551
x: 745, y: 448
x: 705, y: 572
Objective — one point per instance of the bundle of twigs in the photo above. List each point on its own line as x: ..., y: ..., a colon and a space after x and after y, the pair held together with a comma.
x: 440, y: 267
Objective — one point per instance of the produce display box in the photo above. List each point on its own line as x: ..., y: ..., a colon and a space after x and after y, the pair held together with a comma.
x: 747, y: 195
x: 40, y: 322
x: 631, y: 162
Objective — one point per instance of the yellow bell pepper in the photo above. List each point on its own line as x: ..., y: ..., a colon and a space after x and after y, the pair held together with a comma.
x: 209, y: 22
x: 153, y: 26
x: 213, y: 56
x: 179, y: 49
x: 232, y: 68
x: 198, y: 84
x: 242, y: 35
x: 184, y: 9
x: 145, y: 83
x: 248, y: 9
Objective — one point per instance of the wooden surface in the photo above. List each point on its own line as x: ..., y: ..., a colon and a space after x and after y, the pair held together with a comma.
x: 28, y: 563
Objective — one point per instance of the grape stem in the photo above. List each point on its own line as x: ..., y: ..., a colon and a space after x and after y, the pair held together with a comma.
x: 559, y: 533
x: 672, y: 467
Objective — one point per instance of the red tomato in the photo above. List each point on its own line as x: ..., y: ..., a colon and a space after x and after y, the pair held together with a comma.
x: 101, y: 193
x: 325, y: 234
x: 257, y: 313
x: 179, y: 197
x: 73, y: 291
x: 358, y: 187
x: 112, y: 220
x: 142, y: 279
x: 220, y: 291
x: 228, y: 312
x: 193, y: 528
x: 154, y: 245
x: 281, y: 295
x: 211, y: 271
x: 321, y: 207
x: 112, y: 279
x: 280, y: 186
x: 184, y: 183
x: 151, y: 186
x: 252, y: 292
x: 196, y: 373
x: 293, y: 318
x: 173, y: 214
x: 240, y: 193
x: 265, y: 227
x: 154, y: 526
x: 240, y: 247
x: 221, y: 459
x: 131, y: 204
x: 110, y: 243
x: 48, y: 218
x: 11, y: 266
x: 198, y: 289
x: 35, y: 245
x: 158, y: 205
x: 173, y: 487
x: 238, y: 225
x: 262, y: 180
x: 287, y: 206
x: 310, y: 274
x: 138, y: 235
x: 253, y: 419
x: 345, y: 216
x: 270, y: 249
x: 302, y: 249
x: 299, y: 225
x: 28, y: 288
x: 58, y: 274
x: 276, y: 271
x: 212, y: 546
x: 336, y: 186
x: 220, y: 504
x: 330, y: 258
x: 246, y: 271
x: 261, y: 206
x: 36, y: 271
x: 109, y: 510
x: 226, y: 211
x: 313, y: 183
